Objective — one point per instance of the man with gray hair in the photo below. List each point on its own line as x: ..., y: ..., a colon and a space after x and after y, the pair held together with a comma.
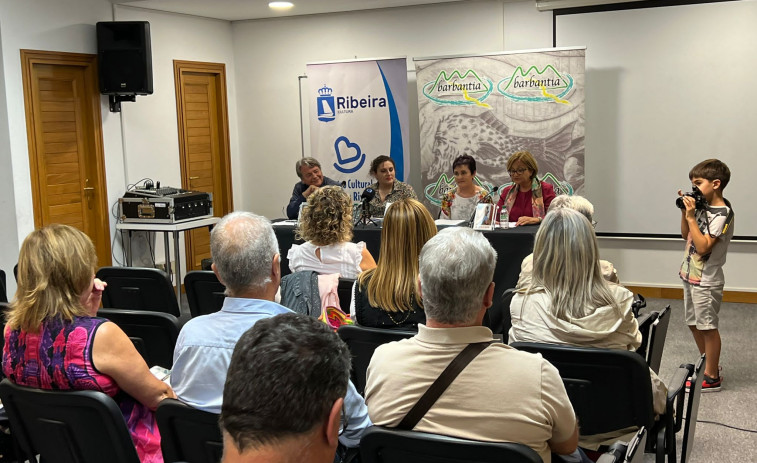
x: 246, y: 260
x: 502, y: 395
x: 311, y: 178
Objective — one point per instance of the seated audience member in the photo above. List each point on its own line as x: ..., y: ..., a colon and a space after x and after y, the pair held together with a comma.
x: 326, y: 226
x: 569, y: 302
x: 460, y: 202
x: 246, y: 260
x: 54, y: 339
x: 284, y: 392
x: 387, y: 296
x: 503, y: 395
x: 388, y: 189
x: 527, y: 199
x: 582, y: 205
x: 311, y: 178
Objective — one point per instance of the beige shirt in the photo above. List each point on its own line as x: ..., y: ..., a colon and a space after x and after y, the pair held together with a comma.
x: 503, y: 395
x: 527, y: 269
x: 533, y: 321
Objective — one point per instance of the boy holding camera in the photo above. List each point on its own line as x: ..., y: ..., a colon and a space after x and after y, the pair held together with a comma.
x: 707, y: 227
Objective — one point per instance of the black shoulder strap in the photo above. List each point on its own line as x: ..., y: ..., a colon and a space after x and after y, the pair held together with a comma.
x: 441, y: 384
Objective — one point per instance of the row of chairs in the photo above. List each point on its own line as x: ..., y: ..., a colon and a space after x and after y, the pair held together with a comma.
x: 87, y: 426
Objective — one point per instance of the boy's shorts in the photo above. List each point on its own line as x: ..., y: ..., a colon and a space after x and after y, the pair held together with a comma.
x: 701, y: 305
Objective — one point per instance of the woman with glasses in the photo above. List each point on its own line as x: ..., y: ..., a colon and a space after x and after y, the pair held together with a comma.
x: 527, y: 199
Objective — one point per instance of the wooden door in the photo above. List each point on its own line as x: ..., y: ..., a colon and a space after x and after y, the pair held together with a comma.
x: 203, y: 143
x: 65, y: 144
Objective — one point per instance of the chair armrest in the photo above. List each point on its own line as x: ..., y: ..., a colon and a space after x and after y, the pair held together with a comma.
x: 676, y: 394
x: 616, y: 453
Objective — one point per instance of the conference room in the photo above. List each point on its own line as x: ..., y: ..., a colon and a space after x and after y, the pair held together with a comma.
x: 664, y: 88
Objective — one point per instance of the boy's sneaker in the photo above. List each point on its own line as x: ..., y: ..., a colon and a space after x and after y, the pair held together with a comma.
x: 712, y: 387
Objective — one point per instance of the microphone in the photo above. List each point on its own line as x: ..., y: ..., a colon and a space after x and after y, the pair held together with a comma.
x: 343, y: 184
x: 368, y: 194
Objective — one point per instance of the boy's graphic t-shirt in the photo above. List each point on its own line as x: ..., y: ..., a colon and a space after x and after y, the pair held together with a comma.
x: 707, y: 270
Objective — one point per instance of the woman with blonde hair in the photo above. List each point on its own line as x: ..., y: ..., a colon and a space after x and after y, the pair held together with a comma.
x: 326, y: 226
x: 53, y: 339
x: 387, y: 296
x: 569, y: 301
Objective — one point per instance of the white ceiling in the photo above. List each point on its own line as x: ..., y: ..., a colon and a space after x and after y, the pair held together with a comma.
x: 236, y: 10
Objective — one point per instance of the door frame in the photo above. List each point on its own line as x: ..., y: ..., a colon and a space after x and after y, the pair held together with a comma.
x: 89, y: 62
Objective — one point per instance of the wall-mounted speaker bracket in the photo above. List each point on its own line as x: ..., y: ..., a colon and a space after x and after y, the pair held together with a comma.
x: 115, y: 101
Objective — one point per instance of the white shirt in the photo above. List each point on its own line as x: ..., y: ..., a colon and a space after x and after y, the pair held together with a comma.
x: 342, y: 258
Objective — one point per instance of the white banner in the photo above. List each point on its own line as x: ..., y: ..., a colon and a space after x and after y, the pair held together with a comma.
x: 358, y: 110
x: 492, y: 106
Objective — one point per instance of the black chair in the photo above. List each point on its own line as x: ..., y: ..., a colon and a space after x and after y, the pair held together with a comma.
x: 611, y: 390
x: 631, y: 452
x: 381, y: 445
x: 692, y: 408
x: 153, y: 333
x: 205, y: 294
x: 344, y: 290
x: 3, y: 287
x: 188, y: 434
x: 657, y: 334
x: 645, y: 325
x: 138, y: 289
x: 498, y: 317
x: 363, y: 342
x: 67, y: 426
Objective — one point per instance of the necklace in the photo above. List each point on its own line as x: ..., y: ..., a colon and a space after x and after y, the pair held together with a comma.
x: 407, y: 315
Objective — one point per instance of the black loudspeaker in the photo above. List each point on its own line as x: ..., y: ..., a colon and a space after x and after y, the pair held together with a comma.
x: 125, y: 57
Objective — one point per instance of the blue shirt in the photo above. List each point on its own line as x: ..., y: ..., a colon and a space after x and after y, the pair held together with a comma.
x: 203, y: 353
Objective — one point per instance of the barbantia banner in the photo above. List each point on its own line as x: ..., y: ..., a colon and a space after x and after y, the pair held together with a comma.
x: 491, y: 106
x: 358, y: 110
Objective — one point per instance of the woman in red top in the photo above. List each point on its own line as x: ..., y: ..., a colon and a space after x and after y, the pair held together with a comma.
x: 527, y: 199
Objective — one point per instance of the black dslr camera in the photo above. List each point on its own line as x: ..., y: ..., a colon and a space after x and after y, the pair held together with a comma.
x: 701, y: 201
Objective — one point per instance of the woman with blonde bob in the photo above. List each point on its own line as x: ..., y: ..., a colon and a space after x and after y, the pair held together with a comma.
x: 569, y: 301
x: 388, y: 297
x: 53, y: 339
x: 326, y: 226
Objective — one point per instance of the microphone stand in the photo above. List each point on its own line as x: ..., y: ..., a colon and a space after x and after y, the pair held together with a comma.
x: 365, y: 215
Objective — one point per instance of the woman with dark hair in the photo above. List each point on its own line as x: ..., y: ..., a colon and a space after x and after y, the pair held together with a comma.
x: 54, y: 339
x: 387, y: 296
x: 388, y: 189
x: 527, y: 199
x: 326, y: 226
x: 460, y: 202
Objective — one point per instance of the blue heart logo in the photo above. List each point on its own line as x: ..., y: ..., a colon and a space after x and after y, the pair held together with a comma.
x: 345, y: 143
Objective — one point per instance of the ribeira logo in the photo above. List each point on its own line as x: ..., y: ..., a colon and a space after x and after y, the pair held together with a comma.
x: 329, y: 105
x: 459, y: 89
x: 537, y: 85
x: 354, y: 155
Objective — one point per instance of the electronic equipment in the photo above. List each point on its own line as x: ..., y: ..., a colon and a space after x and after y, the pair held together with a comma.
x: 165, y: 205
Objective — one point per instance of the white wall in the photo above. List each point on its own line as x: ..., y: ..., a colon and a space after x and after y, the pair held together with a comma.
x: 150, y: 125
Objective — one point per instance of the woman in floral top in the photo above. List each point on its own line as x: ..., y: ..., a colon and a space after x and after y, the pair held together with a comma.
x: 388, y: 189
x: 460, y: 202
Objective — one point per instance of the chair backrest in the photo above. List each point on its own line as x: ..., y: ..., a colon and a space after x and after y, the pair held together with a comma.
x: 344, y: 290
x: 381, y: 445
x: 205, y: 294
x: 645, y: 325
x: 154, y: 332
x: 138, y: 289
x: 609, y: 389
x: 67, y: 426
x: 692, y: 409
x: 657, y: 334
x: 188, y: 434
x: 3, y: 287
x: 363, y: 342
x: 498, y: 315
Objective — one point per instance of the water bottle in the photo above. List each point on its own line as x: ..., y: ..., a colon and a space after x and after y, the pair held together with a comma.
x: 504, y: 220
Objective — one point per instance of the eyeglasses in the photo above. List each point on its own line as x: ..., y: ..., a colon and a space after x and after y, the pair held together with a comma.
x: 518, y: 171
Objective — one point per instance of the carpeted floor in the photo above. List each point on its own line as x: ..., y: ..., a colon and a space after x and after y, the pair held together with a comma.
x: 736, y: 404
